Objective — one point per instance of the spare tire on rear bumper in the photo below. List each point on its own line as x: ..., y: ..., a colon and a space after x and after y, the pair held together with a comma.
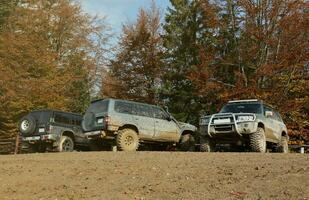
x: 27, y: 125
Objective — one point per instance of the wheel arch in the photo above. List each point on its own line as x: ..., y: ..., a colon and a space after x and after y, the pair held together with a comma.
x: 130, y: 126
x: 69, y: 134
x: 185, y: 132
x: 261, y: 125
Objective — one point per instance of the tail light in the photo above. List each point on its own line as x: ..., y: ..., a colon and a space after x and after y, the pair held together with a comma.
x: 107, y: 120
x: 48, y: 128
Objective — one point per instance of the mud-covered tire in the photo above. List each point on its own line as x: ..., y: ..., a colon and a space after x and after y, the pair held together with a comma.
x: 127, y: 140
x: 187, y: 142
x: 258, y: 141
x: 66, y: 144
x: 283, y: 146
x: 207, y: 145
x: 27, y: 125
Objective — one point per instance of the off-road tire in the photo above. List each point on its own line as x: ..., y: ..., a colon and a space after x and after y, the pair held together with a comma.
x: 27, y: 125
x: 66, y: 144
x: 187, y: 142
x: 258, y: 141
x: 283, y: 146
x: 207, y: 145
x: 127, y: 140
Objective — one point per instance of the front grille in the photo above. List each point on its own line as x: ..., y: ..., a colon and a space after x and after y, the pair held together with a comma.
x: 223, y: 128
x: 223, y: 117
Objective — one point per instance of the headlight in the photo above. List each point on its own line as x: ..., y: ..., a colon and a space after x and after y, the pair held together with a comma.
x: 245, y: 118
x: 204, y: 121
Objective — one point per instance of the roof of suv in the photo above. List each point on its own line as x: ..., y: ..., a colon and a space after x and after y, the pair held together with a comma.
x: 245, y: 101
x: 251, y: 101
x: 124, y: 101
x: 52, y: 110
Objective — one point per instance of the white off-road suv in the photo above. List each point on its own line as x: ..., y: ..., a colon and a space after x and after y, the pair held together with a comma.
x: 248, y: 123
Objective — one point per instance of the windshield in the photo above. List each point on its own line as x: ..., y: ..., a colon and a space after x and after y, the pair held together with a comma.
x: 98, y: 106
x: 242, y: 108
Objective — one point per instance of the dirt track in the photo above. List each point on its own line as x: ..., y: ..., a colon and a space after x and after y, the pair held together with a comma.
x: 154, y: 175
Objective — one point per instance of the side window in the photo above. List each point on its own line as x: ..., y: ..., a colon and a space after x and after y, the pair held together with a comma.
x: 123, y: 107
x: 75, y: 120
x: 143, y: 110
x: 266, y: 108
x: 78, y: 121
x: 277, y: 116
x: 62, y: 118
x: 158, y: 113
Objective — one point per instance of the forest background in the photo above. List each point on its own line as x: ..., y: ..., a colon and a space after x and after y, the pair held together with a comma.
x: 193, y: 59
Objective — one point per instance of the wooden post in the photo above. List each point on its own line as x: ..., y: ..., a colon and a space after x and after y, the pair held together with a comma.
x: 16, y: 144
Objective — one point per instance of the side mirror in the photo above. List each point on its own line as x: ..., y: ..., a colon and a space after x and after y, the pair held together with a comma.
x: 168, y: 118
x: 166, y: 108
x: 269, y: 113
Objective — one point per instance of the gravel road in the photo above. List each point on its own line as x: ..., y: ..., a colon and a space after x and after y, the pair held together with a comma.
x: 154, y: 175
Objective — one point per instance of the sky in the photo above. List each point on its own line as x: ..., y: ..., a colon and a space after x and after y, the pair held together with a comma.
x: 118, y: 12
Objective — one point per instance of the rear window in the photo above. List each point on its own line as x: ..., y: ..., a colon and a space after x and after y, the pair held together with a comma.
x: 98, y: 106
x: 242, y: 108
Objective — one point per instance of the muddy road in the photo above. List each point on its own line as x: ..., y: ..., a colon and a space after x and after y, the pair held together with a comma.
x: 154, y: 175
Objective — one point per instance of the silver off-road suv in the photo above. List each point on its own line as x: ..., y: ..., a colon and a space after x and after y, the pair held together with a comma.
x: 128, y: 123
x: 248, y: 123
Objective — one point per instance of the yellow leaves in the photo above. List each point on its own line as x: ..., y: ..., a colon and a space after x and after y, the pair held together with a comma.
x: 45, y: 49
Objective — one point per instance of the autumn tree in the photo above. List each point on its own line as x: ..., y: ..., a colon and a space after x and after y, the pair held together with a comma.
x: 47, y: 58
x: 136, y: 70
x: 260, y: 51
x: 6, y: 7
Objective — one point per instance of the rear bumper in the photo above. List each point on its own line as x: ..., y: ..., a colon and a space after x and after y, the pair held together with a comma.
x: 41, y: 138
x: 95, y: 134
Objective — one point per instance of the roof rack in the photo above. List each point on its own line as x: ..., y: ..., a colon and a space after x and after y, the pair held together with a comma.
x: 245, y: 100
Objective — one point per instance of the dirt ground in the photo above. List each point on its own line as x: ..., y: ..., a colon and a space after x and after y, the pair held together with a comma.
x: 154, y: 175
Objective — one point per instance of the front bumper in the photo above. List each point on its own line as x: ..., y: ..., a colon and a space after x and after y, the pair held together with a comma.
x: 232, y: 128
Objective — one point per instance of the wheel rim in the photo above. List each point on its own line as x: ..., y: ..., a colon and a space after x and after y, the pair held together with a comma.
x: 129, y: 140
x: 67, y: 146
x: 25, y: 125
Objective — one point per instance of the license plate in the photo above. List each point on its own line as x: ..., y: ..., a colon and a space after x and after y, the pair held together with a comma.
x: 32, y: 138
x: 41, y: 130
x: 222, y: 121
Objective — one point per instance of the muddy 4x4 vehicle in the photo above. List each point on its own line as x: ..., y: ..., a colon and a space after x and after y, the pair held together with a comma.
x: 128, y: 124
x: 51, y: 130
x: 247, y: 123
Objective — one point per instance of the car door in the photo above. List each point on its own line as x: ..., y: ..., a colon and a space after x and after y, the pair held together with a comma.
x: 79, y: 136
x: 279, y: 125
x: 143, y: 117
x: 165, y: 128
x: 270, y: 124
